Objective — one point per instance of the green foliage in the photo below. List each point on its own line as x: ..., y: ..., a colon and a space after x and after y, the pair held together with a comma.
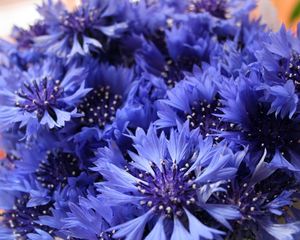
x: 295, y: 13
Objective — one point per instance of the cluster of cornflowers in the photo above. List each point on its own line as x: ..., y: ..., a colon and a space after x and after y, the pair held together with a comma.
x: 150, y: 119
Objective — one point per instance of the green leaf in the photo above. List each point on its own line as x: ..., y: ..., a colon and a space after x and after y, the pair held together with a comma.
x: 296, y: 13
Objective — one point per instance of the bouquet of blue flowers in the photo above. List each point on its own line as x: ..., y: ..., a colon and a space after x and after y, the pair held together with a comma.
x: 150, y: 119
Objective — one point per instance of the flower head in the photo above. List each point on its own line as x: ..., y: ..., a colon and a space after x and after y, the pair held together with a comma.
x: 262, y: 193
x: 25, y: 38
x: 44, y: 95
x: 167, y: 182
x: 66, y: 166
x: 181, y: 49
x: 255, y: 123
x: 34, y: 184
x: 196, y: 99
x: 110, y: 85
x: 281, y: 64
x: 83, y: 30
x: 21, y: 220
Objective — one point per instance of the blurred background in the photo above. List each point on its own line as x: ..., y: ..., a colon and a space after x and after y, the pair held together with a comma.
x: 276, y: 12
x: 22, y: 13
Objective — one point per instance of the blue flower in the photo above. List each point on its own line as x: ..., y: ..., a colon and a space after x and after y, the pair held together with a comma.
x: 25, y: 38
x: 21, y: 220
x: 13, y: 56
x: 33, y: 184
x: 66, y: 165
x: 147, y: 18
x: 187, y: 48
x: 23, y: 201
x: 34, y: 220
x: 179, y: 48
x: 106, y: 111
x: 262, y: 194
x: 165, y: 186
x: 239, y: 54
x: 283, y: 99
x: 82, y: 31
x: 44, y: 95
x: 281, y: 63
x: 195, y: 99
x: 255, y: 123
x: 7, y: 49
x: 101, y: 114
x: 141, y: 109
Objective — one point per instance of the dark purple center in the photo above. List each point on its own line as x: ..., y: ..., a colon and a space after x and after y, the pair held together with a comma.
x: 216, y: 8
x: 99, y: 107
x: 38, y: 97
x: 172, y: 72
x: 253, y: 200
x: 169, y: 190
x: 22, y: 219
x: 80, y: 20
x: 50, y: 177
x: 202, y: 115
x: 271, y: 132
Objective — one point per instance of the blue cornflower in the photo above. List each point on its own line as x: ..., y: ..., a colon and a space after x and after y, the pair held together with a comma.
x: 262, y: 195
x: 187, y: 48
x: 239, y: 54
x: 46, y: 94
x: 195, y: 99
x: 7, y: 49
x: 21, y: 223
x: 148, y: 18
x: 14, y: 56
x: 104, y: 111
x: 83, y: 30
x: 110, y: 86
x: 179, y: 49
x: 255, y: 124
x: 66, y: 165
x: 33, y: 183
x: 163, y: 189
x: 26, y: 219
x: 49, y: 162
x: 25, y: 38
x: 23, y: 200
x: 141, y: 108
x: 280, y: 59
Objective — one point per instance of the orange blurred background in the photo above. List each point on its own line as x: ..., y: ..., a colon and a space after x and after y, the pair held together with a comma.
x: 285, y: 8
x: 276, y: 12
